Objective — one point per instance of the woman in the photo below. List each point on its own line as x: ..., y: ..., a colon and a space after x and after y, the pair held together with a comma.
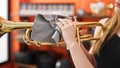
x: 104, y: 53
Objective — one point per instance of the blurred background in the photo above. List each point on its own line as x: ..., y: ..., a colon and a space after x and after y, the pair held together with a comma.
x: 14, y: 53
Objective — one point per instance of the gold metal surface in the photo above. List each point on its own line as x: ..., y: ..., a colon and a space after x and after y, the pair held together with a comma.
x: 8, y: 26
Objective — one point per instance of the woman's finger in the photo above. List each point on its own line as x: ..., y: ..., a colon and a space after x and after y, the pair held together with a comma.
x: 60, y: 24
x: 70, y: 22
x: 63, y: 21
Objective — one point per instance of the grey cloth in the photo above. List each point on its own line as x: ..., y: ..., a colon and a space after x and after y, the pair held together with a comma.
x: 45, y: 29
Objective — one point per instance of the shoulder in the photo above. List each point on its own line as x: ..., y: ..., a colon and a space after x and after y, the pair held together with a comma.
x: 102, y: 21
x: 97, y: 28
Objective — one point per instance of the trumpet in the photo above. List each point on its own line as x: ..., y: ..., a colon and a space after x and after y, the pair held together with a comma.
x: 9, y: 26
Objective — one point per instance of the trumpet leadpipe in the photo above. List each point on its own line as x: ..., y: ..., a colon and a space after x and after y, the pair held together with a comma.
x: 89, y: 24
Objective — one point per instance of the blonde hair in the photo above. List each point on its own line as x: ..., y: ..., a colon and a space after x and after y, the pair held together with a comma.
x: 112, y: 26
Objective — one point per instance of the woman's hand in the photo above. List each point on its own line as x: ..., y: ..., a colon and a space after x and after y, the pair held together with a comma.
x: 68, y: 29
x: 78, y: 55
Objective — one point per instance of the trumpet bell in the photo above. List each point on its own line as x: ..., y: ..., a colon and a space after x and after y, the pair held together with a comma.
x: 8, y: 26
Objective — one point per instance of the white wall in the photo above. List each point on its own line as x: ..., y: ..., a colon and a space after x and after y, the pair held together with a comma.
x: 4, y: 38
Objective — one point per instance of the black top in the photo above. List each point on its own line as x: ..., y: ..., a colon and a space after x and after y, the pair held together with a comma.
x: 109, y: 56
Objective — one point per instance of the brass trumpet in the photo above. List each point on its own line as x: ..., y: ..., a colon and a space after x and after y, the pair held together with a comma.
x: 8, y: 26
